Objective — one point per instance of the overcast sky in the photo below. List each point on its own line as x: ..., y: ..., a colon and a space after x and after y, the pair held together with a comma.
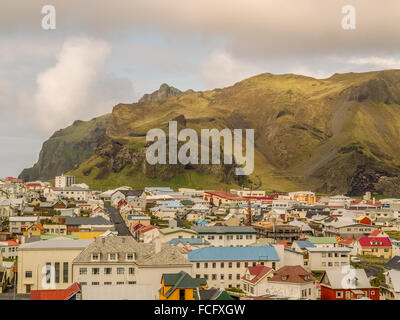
x: 105, y: 52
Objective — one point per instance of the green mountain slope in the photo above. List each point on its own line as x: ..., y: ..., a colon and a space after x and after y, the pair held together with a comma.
x: 336, y: 135
x: 67, y: 148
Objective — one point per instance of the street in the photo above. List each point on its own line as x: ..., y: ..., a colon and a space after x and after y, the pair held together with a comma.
x: 119, y: 223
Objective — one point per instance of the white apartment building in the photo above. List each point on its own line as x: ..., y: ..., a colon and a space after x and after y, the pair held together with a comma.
x: 64, y: 181
x: 47, y: 264
x: 225, y: 236
x: 322, y: 259
x: 225, y: 266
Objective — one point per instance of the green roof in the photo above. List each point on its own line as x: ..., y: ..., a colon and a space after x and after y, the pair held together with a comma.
x: 187, y: 202
x: 321, y: 240
x: 224, y: 296
x: 181, y: 280
x: 52, y: 236
x: 176, y: 229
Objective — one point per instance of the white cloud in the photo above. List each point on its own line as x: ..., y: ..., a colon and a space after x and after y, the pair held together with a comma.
x: 381, y: 62
x: 78, y: 86
x: 222, y: 70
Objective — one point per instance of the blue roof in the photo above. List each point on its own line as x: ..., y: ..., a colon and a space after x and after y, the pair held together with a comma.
x: 175, y: 241
x: 173, y: 204
x: 305, y: 244
x: 261, y: 253
x: 137, y: 216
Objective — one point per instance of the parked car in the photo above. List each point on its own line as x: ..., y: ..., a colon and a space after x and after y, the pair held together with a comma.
x: 355, y: 259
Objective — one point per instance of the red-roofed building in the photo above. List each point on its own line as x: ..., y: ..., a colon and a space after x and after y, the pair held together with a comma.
x: 285, y: 244
x: 255, y: 280
x: 218, y: 198
x: 13, y: 180
x: 145, y: 234
x: 293, y: 282
x: 378, y: 233
x: 9, y: 248
x: 377, y: 246
x: 359, y: 204
x: 71, y: 293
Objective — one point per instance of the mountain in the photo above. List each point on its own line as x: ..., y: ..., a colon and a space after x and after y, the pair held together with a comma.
x: 334, y: 135
x: 164, y: 92
x: 67, y: 148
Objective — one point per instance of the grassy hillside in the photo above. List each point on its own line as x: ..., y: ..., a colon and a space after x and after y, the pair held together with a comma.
x: 335, y: 135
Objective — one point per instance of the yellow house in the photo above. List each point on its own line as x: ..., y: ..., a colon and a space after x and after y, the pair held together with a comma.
x: 87, y: 235
x: 181, y: 286
x: 34, y: 230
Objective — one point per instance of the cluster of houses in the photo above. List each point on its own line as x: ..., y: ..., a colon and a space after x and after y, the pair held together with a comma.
x: 62, y: 243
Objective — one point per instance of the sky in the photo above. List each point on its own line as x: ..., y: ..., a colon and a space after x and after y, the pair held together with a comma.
x: 105, y: 52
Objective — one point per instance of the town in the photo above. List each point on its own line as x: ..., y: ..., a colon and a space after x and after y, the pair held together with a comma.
x: 69, y: 242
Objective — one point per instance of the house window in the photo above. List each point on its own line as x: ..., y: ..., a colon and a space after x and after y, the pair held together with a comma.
x: 82, y: 271
x: 65, y: 272
x: 214, y: 277
x: 372, y: 292
x: 28, y: 274
x: 339, y: 294
x: 206, y: 276
x: 95, y: 256
x: 198, y: 265
x: 107, y: 283
x: 112, y: 256
x: 205, y: 265
x: 230, y: 276
x: 95, y: 283
x: 129, y: 256
x: 222, y: 276
x: 107, y: 270
x: 273, y: 265
x: 120, y: 283
x: 57, y: 270
x: 222, y: 265
x: 83, y: 283
x: 237, y: 264
x: 329, y: 264
x: 131, y: 271
x: 48, y: 270
x: 120, y: 270
x: 238, y: 276
x: 230, y: 264
x: 96, y: 271
x: 214, y: 265
x: 246, y: 264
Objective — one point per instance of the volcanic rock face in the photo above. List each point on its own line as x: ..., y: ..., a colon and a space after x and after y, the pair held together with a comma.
x: 336, y: 135
x: 164, y: 92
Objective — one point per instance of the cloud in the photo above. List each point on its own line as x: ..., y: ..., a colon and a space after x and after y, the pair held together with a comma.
x: 221, y: 70
x: 261, y: 28
x: 380, y: 62
x: 78, y: 87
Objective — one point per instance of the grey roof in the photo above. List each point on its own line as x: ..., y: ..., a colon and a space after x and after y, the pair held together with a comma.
x: 71, y: 221
x: 334, y: 249
x: 130, y: 193
x: 56, y: 244
x: 224, y: 229
x: 144, y: 252
x: 342, y: 278
x: 393, y: 263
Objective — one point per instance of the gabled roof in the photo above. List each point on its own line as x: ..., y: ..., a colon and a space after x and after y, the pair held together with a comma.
x: 225, y: 230
x: 346, y: 278
x: 395, y: 279
x: 71, y: 221
x: 374, y: 242
x: 258, y: 271
x: 375, y: 233
x: 393, y: 263
x: 130, y: 193
x: 60, y: 294
x: 181, y: 280
x: 176, y: 229
x: 192, y: 241
x: 292, y: 274
x: 322, y: 240
x: 304, y: 244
